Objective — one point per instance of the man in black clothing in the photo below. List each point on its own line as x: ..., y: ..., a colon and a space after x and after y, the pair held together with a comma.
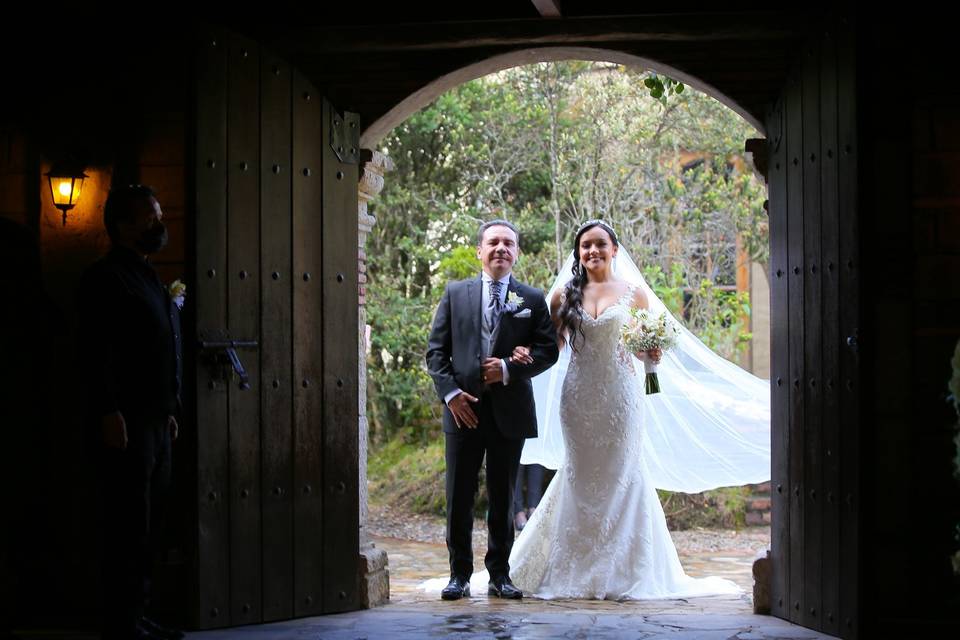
x: 130, y: 341
x: 488, y: 399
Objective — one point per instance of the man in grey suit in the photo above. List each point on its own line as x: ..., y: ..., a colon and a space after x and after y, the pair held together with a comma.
x: 488, y: 399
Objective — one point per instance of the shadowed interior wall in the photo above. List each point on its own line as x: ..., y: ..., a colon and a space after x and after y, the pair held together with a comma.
x: 910, y: 185
x: 124, y: 125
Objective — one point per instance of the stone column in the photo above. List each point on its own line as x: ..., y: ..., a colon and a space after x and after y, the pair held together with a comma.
x: 373, y: 575
x: 760, y: 352
x: 762, y: 584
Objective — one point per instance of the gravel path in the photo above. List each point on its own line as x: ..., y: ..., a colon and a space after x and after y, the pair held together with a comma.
x: 388, y: 522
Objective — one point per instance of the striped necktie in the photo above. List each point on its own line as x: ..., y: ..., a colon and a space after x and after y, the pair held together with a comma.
x: 495, y: 308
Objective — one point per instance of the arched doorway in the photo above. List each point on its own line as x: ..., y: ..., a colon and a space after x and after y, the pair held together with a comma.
x: 811, y: 137
x: 814, y: 374
x: 395, y: 225
x: 374, y: 131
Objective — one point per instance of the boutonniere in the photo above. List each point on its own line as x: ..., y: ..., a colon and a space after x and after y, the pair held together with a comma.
x: 514, y: 301
x: 178, y: 292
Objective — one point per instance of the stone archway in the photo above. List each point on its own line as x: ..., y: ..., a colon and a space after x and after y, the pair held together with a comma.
x: 375, y: 131
x: 373, y: 567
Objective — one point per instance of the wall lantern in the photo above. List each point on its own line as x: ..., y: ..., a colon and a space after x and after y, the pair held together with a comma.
x: 65, y: 187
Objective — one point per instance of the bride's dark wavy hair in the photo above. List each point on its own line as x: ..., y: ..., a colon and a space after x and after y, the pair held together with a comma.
x: 571, y: 310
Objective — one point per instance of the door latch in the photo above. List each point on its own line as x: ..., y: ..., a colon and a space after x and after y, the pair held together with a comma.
x: 223, y: 355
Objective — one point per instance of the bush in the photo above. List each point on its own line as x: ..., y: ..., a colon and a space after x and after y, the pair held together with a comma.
x: 411, y: 476
x: 724, y: 508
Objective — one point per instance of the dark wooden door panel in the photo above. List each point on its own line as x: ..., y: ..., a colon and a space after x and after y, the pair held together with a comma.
x: 795, y: 338
x: 340, y: 354
x: 830, y: 338
x: 210, y: 300
x: 276, y: 268
x: 308, y: 347
x: 243, y: 301
x: 276, y: 355
x: 779, y: 361
x: 812, y: 378
x: 849, y: 374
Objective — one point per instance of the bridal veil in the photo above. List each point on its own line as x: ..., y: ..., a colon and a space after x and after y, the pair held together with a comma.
x: 709, y: 427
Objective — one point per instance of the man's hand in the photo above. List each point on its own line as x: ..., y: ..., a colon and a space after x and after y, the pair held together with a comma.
x: 521, y: 355
x: 492, y: 371
x: 114, y: 430
x: 463, y: 414
x: 173, y: 428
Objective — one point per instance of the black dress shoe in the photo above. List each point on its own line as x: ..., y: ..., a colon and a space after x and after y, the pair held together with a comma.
x: 501, y: 587
x: 456, y: 589
x: 157, y: 631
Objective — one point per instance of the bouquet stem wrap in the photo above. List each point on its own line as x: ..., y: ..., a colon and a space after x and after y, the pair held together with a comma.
x: 652, y: 382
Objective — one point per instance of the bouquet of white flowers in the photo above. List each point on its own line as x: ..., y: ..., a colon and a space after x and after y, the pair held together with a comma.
x: 645, y: 331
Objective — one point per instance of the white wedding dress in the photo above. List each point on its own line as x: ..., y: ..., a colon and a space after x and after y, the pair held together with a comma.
x: 599, y: 531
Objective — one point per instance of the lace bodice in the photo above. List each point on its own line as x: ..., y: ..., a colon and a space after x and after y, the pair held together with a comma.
x: 601, y: 341
x: 600, y: 391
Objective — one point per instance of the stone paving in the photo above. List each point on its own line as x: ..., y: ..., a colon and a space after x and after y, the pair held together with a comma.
x: 413, y: 562
x: 414, y: 614
x: 479, y: 618
x: 415, y: 546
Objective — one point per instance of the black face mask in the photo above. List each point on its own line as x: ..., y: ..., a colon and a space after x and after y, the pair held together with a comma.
x: 153, y: 239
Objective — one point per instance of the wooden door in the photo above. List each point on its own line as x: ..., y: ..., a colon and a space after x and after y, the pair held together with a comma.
x: 274, y: 176
x: 815, y: 314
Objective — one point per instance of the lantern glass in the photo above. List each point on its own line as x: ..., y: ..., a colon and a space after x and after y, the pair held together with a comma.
x: 66, y: 189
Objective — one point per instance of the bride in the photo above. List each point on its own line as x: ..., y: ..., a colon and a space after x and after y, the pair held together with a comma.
x: 600, y: 531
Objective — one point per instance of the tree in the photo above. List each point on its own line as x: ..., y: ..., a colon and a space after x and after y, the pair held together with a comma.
x: 548, y: 146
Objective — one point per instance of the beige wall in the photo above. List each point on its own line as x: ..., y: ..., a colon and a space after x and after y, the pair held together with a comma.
x: 759, y: 321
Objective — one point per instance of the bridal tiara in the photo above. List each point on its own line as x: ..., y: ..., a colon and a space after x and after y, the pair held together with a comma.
x: 593, y: 222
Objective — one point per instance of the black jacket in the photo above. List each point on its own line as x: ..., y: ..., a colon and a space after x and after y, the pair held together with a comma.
x: 454, y: 353
x: 129, y: 339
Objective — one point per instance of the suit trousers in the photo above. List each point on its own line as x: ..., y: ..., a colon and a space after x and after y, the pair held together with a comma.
x: 465, y: 451
x: 136, y: 481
